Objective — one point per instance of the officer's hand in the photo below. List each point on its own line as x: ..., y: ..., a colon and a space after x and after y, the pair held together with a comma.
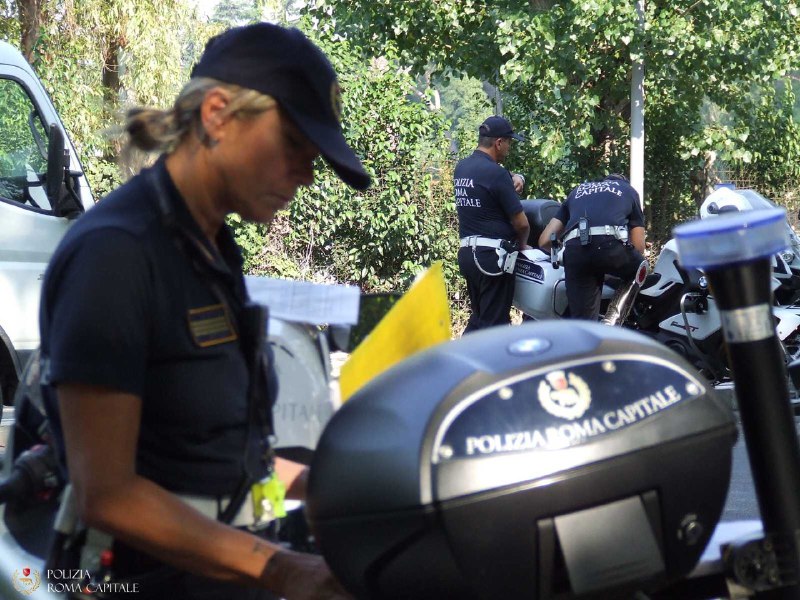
x: 519, y: 182
x: 300, y: 576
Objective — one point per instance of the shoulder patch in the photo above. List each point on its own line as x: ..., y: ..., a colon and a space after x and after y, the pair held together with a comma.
x: 211, y: 325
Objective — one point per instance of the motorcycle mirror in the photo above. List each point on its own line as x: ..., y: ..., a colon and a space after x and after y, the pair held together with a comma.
x: 372, y: 308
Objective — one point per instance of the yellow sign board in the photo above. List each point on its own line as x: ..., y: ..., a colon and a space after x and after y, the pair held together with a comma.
x: 418, y: 320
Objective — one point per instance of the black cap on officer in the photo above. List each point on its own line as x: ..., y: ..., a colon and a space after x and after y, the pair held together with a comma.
x: 284, y: 64
x: 498, y: 127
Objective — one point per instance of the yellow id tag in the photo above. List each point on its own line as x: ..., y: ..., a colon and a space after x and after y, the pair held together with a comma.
x: 268, y: 495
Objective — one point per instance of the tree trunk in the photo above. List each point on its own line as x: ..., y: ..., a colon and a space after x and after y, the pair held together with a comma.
x: 494, y: 95
x: 111, y: 91
x: 111, y: 73
x: 30, y: 19
x: 704, y: 179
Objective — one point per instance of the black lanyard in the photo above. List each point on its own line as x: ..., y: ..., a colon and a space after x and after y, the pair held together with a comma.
x: 251, y: 321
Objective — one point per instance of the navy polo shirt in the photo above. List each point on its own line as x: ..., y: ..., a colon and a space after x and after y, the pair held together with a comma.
x: 607, y: 202
x: 485, y: 198
x: 124, y: 307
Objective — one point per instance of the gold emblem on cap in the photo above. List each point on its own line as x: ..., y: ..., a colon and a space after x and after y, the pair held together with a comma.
x: 336, y: 100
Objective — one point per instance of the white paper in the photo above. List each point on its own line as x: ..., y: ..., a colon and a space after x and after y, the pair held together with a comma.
x: 306, y: 302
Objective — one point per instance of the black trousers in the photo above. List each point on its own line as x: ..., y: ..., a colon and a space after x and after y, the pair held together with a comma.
x: 585, y: 267
x: 490, y: 297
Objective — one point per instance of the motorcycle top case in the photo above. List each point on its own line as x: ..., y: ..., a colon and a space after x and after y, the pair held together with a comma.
x: 538, y: 211
x: 546, y: 461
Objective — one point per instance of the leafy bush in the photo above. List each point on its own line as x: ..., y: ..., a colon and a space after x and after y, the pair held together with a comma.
x: 382, y: 238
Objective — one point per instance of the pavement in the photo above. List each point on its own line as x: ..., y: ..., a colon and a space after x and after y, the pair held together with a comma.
x: 741, y: 502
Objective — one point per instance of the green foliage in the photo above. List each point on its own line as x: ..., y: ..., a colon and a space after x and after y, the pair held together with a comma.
x: 564, y: 70
x: 381, y: 238
x: 770, y: 119
x: 103, y: 176
x: 718, y: 97
x: 236, y: 12
x: 9, y: 22
x: 465, y: 105
x: 153, y: 41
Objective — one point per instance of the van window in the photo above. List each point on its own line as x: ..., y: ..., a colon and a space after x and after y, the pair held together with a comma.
x: 23, y: 147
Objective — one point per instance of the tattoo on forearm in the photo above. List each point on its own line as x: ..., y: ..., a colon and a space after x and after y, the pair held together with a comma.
x: 261, y: 548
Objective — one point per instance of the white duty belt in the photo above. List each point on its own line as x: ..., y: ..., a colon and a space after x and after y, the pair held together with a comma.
x: 475, y: 241
x: 506, y: 260
x: 212, y: 507
x: 618, y: 231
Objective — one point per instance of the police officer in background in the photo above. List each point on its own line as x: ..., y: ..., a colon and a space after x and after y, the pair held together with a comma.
x: 604, y: 234
x: 491, y: 224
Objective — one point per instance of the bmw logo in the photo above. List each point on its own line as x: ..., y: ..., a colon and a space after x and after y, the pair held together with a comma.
x: 529, y: 346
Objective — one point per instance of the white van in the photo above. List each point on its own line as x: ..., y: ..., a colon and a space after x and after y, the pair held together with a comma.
x: 42, y: 189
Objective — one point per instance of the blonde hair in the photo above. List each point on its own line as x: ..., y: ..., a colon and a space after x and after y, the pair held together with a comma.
x: 154, y: 130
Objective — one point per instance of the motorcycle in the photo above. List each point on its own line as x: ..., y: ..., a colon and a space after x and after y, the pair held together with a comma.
x: 673, y: 305
x: 540, y: 292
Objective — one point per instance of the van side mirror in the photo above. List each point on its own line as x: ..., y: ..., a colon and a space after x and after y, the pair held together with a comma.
x: 59, y: 186
x: 55, y: 164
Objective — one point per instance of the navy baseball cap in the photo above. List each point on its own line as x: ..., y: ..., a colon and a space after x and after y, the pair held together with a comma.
x: 498, y: 127
x: 284, y: 64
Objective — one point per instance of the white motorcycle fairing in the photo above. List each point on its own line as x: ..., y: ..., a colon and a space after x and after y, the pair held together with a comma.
x: 668, y: 274
x: 701, y: 326
x: 786, y: 264
x: 788, y: 320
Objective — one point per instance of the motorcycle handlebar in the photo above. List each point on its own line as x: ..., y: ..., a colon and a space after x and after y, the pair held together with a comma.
x: 35, y: 473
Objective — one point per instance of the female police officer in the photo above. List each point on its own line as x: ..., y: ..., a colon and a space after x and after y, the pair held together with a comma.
x: 155, y: 377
